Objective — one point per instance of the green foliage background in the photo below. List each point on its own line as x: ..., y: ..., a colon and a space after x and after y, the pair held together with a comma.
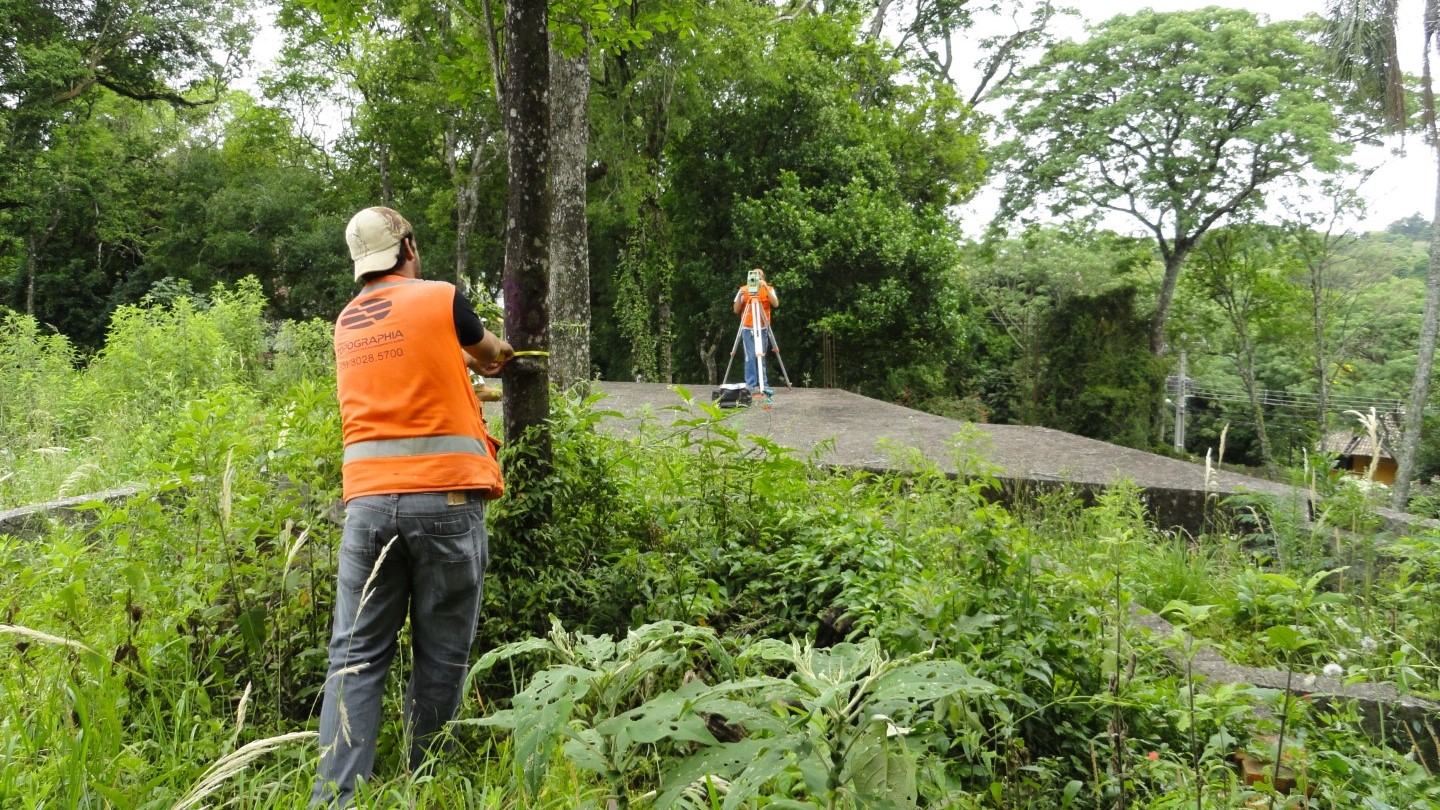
x: 710, y: 620
x: 721, y: 138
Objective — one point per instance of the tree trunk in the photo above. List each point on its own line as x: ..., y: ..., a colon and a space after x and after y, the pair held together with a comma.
x: 664, y: 331
x: 467, y: 205
x: 387, y: 188
x: 1322, y: 364
x: 1420, y: 389
x: 451, y: 147
x: 527, y: 235
x: 32, y: 264
x: 33, y: 245
x: 1257, y: 410
x: 569, y: 243
x: 1173, y: 262
x: 707, y: 347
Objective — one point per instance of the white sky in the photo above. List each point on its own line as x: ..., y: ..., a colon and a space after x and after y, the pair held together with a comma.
x: 1399, y: 187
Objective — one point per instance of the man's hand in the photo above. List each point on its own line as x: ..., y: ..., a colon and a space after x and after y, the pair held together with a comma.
x: 502, y: 355
x: 489, y: 356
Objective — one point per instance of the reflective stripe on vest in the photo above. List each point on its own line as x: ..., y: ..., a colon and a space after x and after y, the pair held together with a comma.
x: 368, y: 288
x: 418, y: 446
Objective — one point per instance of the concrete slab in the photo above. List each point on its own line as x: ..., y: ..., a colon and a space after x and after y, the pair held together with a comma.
x: 32, y: 521
x: 1024, y: 458
x: 861, y: 433
x: 1404, y: 722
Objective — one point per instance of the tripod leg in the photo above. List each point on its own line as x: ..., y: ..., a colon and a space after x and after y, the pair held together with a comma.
x: 731, y: 361
x: 770, y: 331
x: 779, y: 359
x: 757, y: 330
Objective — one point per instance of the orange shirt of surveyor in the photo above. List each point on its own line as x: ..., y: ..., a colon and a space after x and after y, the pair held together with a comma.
x: 765, y: 293
x: 409, y: 414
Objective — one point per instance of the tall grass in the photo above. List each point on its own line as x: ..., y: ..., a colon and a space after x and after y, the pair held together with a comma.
x: 171, y: 652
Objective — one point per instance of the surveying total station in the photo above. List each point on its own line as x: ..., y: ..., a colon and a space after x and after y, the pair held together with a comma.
x: 761, y: 336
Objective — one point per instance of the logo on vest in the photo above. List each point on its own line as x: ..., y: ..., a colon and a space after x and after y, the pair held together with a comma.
x: 365, y: 313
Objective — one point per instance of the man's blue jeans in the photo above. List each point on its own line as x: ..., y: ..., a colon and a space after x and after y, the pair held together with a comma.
x: 400, y: 554
x: 752, y: 372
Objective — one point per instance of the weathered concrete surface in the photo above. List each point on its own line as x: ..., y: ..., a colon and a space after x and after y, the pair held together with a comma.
x: 33, y: 520
x: 1023, y: 458
x: 1403, y: 722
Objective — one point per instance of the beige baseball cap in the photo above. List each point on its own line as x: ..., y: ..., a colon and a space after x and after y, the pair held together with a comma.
x: 374, y: 236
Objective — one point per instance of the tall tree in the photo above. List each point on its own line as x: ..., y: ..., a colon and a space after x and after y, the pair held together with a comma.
x: 1335, y: 280
x: 928, y: 37
x: 637, y: 107
x: 1179, y: 120
x: 426, y: 129
x: 813, y: 156
x: 527, y: 248
x: 569, y: 238
x: 1020, y: 283
x: 57, y: 56
x: 1363, y: 41
x: 1109, y: 378
x: 621, y: 30
x: 1415, y: 226
x: 1241, y: 271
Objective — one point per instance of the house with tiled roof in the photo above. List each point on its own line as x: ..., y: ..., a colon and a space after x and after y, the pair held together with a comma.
x: 1356, y: 451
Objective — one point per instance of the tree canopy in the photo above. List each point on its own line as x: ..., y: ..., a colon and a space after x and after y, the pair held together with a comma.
x: 1179, y: 121
x: 830, y: 144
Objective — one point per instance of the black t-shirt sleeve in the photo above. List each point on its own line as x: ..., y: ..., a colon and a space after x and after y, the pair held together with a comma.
x: 468, y: 325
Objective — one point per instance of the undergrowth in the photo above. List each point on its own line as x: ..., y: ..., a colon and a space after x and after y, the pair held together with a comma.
x: 712, y: 620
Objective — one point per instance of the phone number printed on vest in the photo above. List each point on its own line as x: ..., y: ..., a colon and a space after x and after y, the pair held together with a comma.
x: 372, y: 357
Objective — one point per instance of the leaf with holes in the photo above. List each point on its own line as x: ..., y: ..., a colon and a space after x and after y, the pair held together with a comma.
x: 882, y: 767
x: 540, y: 716
x: 909, y: 686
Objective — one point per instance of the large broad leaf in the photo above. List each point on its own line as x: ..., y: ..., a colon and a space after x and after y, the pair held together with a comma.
x: 665, y: 717
x: 771, y: 649
x: 584, y: 750
x: 846, y: 661
x: 882, y: 768
x: 545, y: 709
x: 596, y: 649
x: 681, y: 715
x: 753, y: 757
x: 626, y: 676
x: 502, y: 653
x: 723, y: 761
x: 716, y: 700
x: 735, y: 712
x: 911, y: 685
x: 770, y: 760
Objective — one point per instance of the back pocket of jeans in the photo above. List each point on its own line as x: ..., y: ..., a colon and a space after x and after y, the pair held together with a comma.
x: 452, y: 538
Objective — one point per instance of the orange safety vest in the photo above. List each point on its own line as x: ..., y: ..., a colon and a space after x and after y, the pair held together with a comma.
x: 763, y: 293
x: 410, y: 417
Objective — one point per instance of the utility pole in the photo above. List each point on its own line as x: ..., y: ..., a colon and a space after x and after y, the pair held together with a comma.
x: 1180, y: 405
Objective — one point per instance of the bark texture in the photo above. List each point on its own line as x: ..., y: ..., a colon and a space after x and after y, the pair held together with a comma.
x: 1424, y: 363
x: 467, y: 193
x: 527, y: 235
x: 569, y: 243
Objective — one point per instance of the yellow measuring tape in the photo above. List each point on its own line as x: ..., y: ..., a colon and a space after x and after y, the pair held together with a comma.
x: 530, y: 353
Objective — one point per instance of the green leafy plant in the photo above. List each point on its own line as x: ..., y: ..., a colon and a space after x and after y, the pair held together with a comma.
x: 831, y: 730
x: 595, y: 683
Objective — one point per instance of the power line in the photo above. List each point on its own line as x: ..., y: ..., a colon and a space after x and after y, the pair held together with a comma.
x: 1282, y: 399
